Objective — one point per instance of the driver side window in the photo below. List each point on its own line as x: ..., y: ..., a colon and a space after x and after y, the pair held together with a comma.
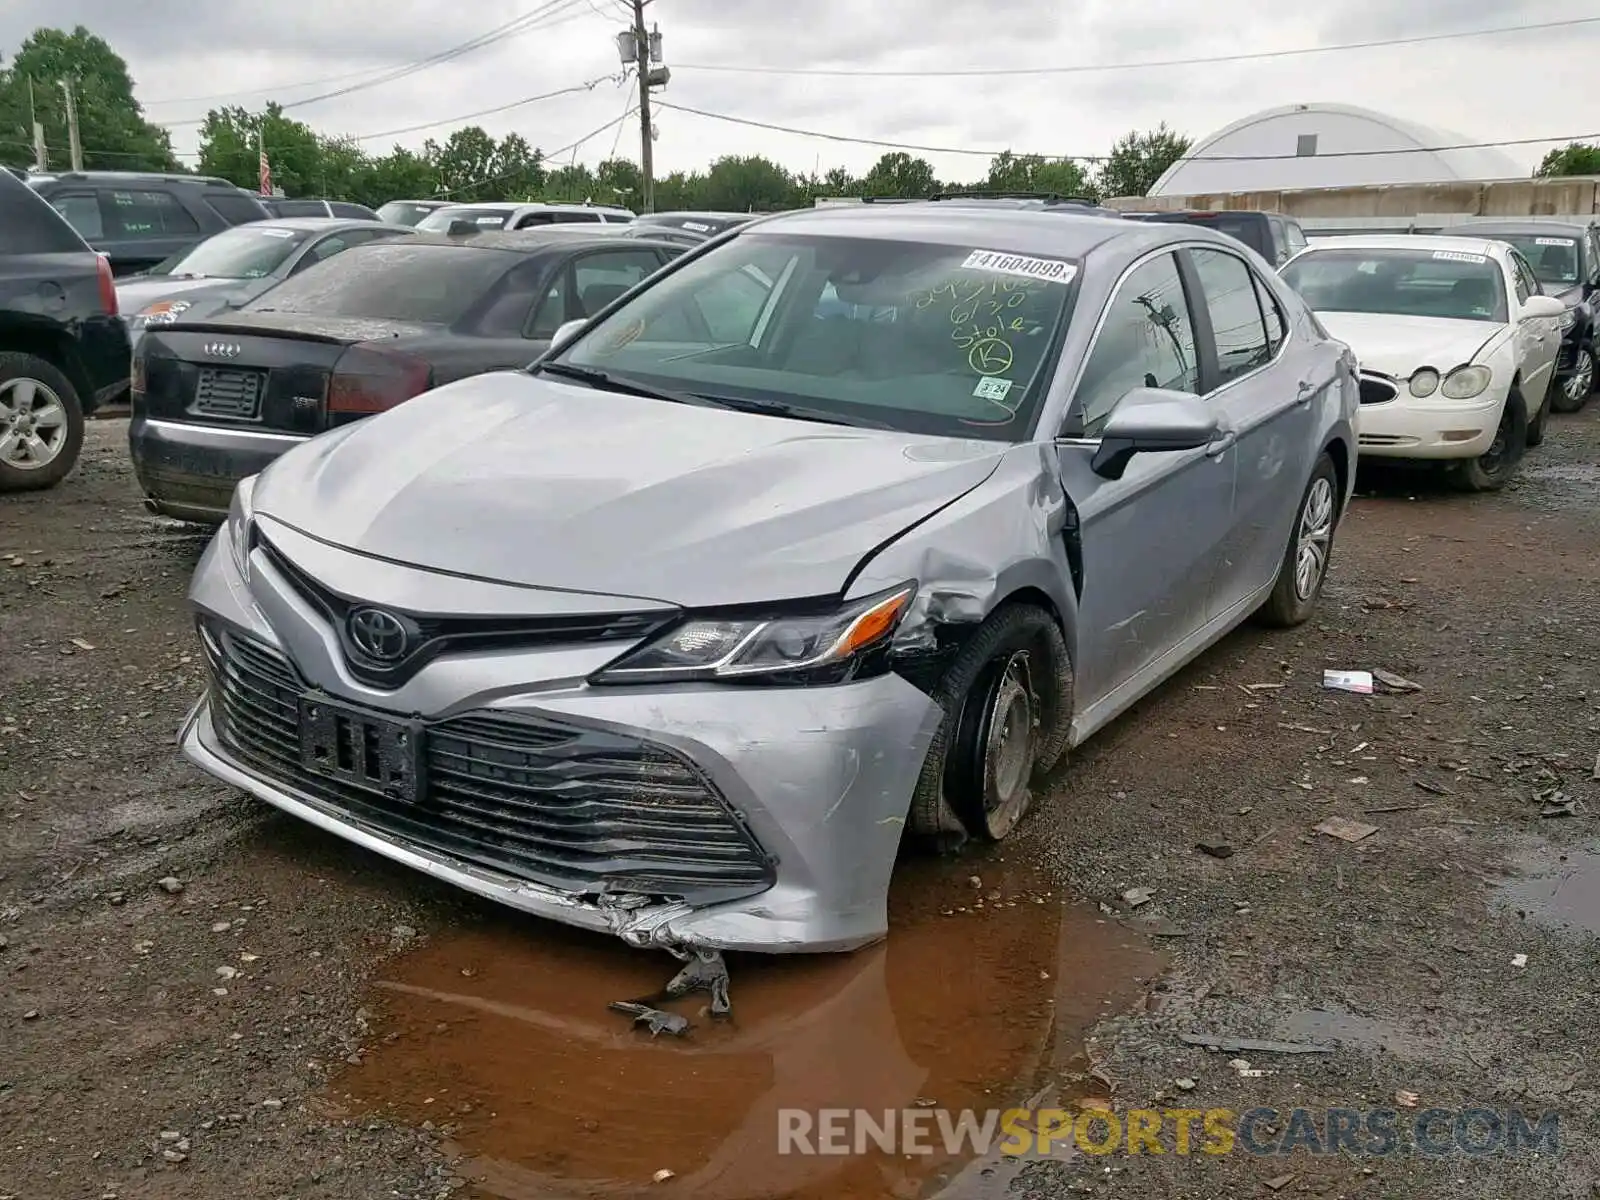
x: 1526, y: 285
x: 1147, y: 340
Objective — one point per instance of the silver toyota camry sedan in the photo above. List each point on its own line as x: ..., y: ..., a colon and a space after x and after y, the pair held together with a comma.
x: 842, y: 528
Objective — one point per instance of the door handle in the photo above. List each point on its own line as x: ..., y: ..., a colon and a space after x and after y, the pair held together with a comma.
x: 1221, y: 444
x: 1307, y: 390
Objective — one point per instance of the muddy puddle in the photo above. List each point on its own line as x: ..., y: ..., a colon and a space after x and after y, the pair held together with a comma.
x: 1555, y: 888
x: 499, y: 1037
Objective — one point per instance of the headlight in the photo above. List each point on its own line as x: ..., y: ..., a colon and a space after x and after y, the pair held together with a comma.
x: 241, y: 516
x: 819, y: 648
x: 1465, y: 382
x: 1569, y: 319
x: 1424, y: 382
x: 162, y: 312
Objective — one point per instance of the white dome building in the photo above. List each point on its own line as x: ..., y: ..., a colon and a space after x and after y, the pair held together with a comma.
x: 1328, y: 145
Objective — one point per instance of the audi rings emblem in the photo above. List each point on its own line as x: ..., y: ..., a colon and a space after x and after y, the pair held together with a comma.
x: 223, y: 349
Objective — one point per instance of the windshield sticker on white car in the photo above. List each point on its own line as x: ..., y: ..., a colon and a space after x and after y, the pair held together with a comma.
x: 1051, y: 270
x: 1554, y: 242
x: 491, y: 221
x: 697, y: 226
x: 1458, y: 256
x: 992, y: 387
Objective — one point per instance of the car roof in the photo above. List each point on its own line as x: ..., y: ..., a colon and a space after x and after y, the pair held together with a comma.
x: 1412, y: 241
x: 978, y: 226
x: 315, y: 224
x: 1486, y: 225
x: 509, y: 206
x: 138, y: 177
x: 515, y: 241
x: 691, y: 214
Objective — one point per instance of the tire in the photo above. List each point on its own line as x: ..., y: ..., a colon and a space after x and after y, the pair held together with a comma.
x: 1535, y: 435
x: 1494, y: 468
x: 976, y: 782
x: 1572, y: 393
x: 29, y: 387
x: 1304, y: 568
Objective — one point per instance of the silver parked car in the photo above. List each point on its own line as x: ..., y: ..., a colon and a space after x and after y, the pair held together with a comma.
x: 847, y: 524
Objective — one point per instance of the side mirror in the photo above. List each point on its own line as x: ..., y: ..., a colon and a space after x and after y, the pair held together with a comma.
x: 1542, y: 307
x: 1152, y: 421
x: 566, y: 330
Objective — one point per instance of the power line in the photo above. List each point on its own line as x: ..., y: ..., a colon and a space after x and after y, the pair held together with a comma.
x: 860, y: 141
x: 535, y: 18
x: 586, y: 86
x: 1089, y: 68
x: 553, y: 154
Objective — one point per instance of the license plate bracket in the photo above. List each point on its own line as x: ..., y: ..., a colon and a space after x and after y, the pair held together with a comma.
x: 356, y: 747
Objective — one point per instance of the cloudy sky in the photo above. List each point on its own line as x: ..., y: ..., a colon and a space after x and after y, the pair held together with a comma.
x: 188, y: 57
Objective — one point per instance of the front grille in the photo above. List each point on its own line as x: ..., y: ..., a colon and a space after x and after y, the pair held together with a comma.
x: 433, y: 636
x: 577, y: 809
x: 235, y: 395
x: 1375, y: 389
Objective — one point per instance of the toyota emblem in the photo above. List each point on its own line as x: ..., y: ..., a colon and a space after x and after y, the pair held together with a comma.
x: 379, y: 635
x: 223, y: 349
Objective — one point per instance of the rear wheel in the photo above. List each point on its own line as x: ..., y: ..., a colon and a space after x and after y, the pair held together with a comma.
x: 1305, y: 559
x: 1572, y: 393
x: 1007, y: 700
x: 1493, y: 469
x: 41, y: 423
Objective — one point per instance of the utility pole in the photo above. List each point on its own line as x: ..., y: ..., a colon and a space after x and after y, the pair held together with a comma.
x: 41, y: 156
x: 641, y: 49
x: 75, y: 146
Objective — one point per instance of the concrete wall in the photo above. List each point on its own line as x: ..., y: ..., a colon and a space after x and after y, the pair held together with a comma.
x: 1565, y: 196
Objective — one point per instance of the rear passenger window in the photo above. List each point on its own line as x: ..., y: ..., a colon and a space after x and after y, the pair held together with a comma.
x: 1272, y: 314
x: 235, y: 209
x: 82, y: 211
x: 1236, y: 324
x: 136, y: 215
x: 571, y: 217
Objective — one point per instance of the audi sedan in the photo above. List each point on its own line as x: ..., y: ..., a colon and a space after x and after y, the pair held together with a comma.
x: 842, y: 528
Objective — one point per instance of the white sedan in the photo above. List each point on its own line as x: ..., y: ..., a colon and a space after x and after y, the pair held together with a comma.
x: 1455, y: 340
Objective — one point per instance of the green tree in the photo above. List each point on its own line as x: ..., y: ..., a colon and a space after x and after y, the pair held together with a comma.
x: 752, y: 184
x: 111, y: 126
x: 399, y: 175
x: 1575, y: 158
x: 472, y: 167
x: 898, y: 174
x: 231, y: 140
x: 570, y: 185
x: 1010, y: 172
x: 839, y: 182
x: 618, y: 181
x: 1138, y: 160
x: 679, y: 191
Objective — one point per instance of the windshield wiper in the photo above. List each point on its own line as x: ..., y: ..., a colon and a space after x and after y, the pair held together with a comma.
x: 799, y: 412
x: 623, y: 384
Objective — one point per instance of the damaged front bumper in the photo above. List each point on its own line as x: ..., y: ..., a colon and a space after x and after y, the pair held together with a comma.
x: 818, y: 779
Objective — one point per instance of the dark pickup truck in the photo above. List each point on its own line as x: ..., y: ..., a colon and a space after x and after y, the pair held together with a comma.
x: 63, y: 349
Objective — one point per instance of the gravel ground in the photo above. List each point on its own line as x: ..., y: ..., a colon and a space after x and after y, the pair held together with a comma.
x: 187, y: 1003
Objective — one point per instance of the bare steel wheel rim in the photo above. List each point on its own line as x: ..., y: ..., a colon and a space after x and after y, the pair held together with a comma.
x: 33, y: 424
x: 1008, y: 749
x: 1314, y: 538
x: 1581, y: 382
x: 1495, y: 458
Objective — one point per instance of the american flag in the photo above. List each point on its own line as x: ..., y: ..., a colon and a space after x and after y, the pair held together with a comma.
x: 266, y: 174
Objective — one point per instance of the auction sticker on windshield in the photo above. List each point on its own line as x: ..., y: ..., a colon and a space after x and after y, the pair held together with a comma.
x: 1458, y: 256
x: 1051, y: 270
x: 1553, y: 242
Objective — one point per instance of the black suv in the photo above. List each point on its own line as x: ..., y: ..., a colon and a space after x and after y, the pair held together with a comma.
x: 281, y: 206
x: 63, y: 349
x: 1273, y: 236
x: 139, y: 219
x: 1565, y: 257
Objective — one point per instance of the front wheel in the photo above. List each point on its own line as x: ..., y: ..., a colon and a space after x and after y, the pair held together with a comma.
x: 41, y: 423
x: 1572, y: 393
x: 1007, y: 700
x: 1493, y: 469
x: 1306, y: 558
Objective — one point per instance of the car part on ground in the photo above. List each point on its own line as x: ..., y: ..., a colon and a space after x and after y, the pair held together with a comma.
x: 1456, y: 344
x: 818, y: 538
x: 218, y: 397
x: 63, y: 348
x: 138, y: 219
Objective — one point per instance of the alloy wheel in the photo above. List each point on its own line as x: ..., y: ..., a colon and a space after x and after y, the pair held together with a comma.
x: 1315, y: 538
x: 33, y: 424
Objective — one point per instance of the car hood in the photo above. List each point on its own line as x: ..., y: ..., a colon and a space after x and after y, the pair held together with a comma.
x: 1398, y: 346
x: 531, y: 481
x: 135, y: 294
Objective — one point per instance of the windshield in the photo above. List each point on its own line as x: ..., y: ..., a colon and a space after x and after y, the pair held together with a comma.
x: 440, y: 219
x: 949, y: 340
x: 392, y: 281
x: 1553, y: 259
x: 1407, y: 283
x: 244, y: 252
x: 404, y: 212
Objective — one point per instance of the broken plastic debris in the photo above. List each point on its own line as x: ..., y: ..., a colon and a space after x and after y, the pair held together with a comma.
x: 704, y: 972
x: 662, y: 1175
x: 1407, y: 1099
x: 1359, y: 682
x: 1345, y: 829
x: 654, y: 1019
x: 1394, y: 683
x: 1519, y: 960
x: 1134, y: 897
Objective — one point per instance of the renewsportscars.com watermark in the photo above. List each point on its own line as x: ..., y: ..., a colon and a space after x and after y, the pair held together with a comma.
x: 1023, y: 1132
